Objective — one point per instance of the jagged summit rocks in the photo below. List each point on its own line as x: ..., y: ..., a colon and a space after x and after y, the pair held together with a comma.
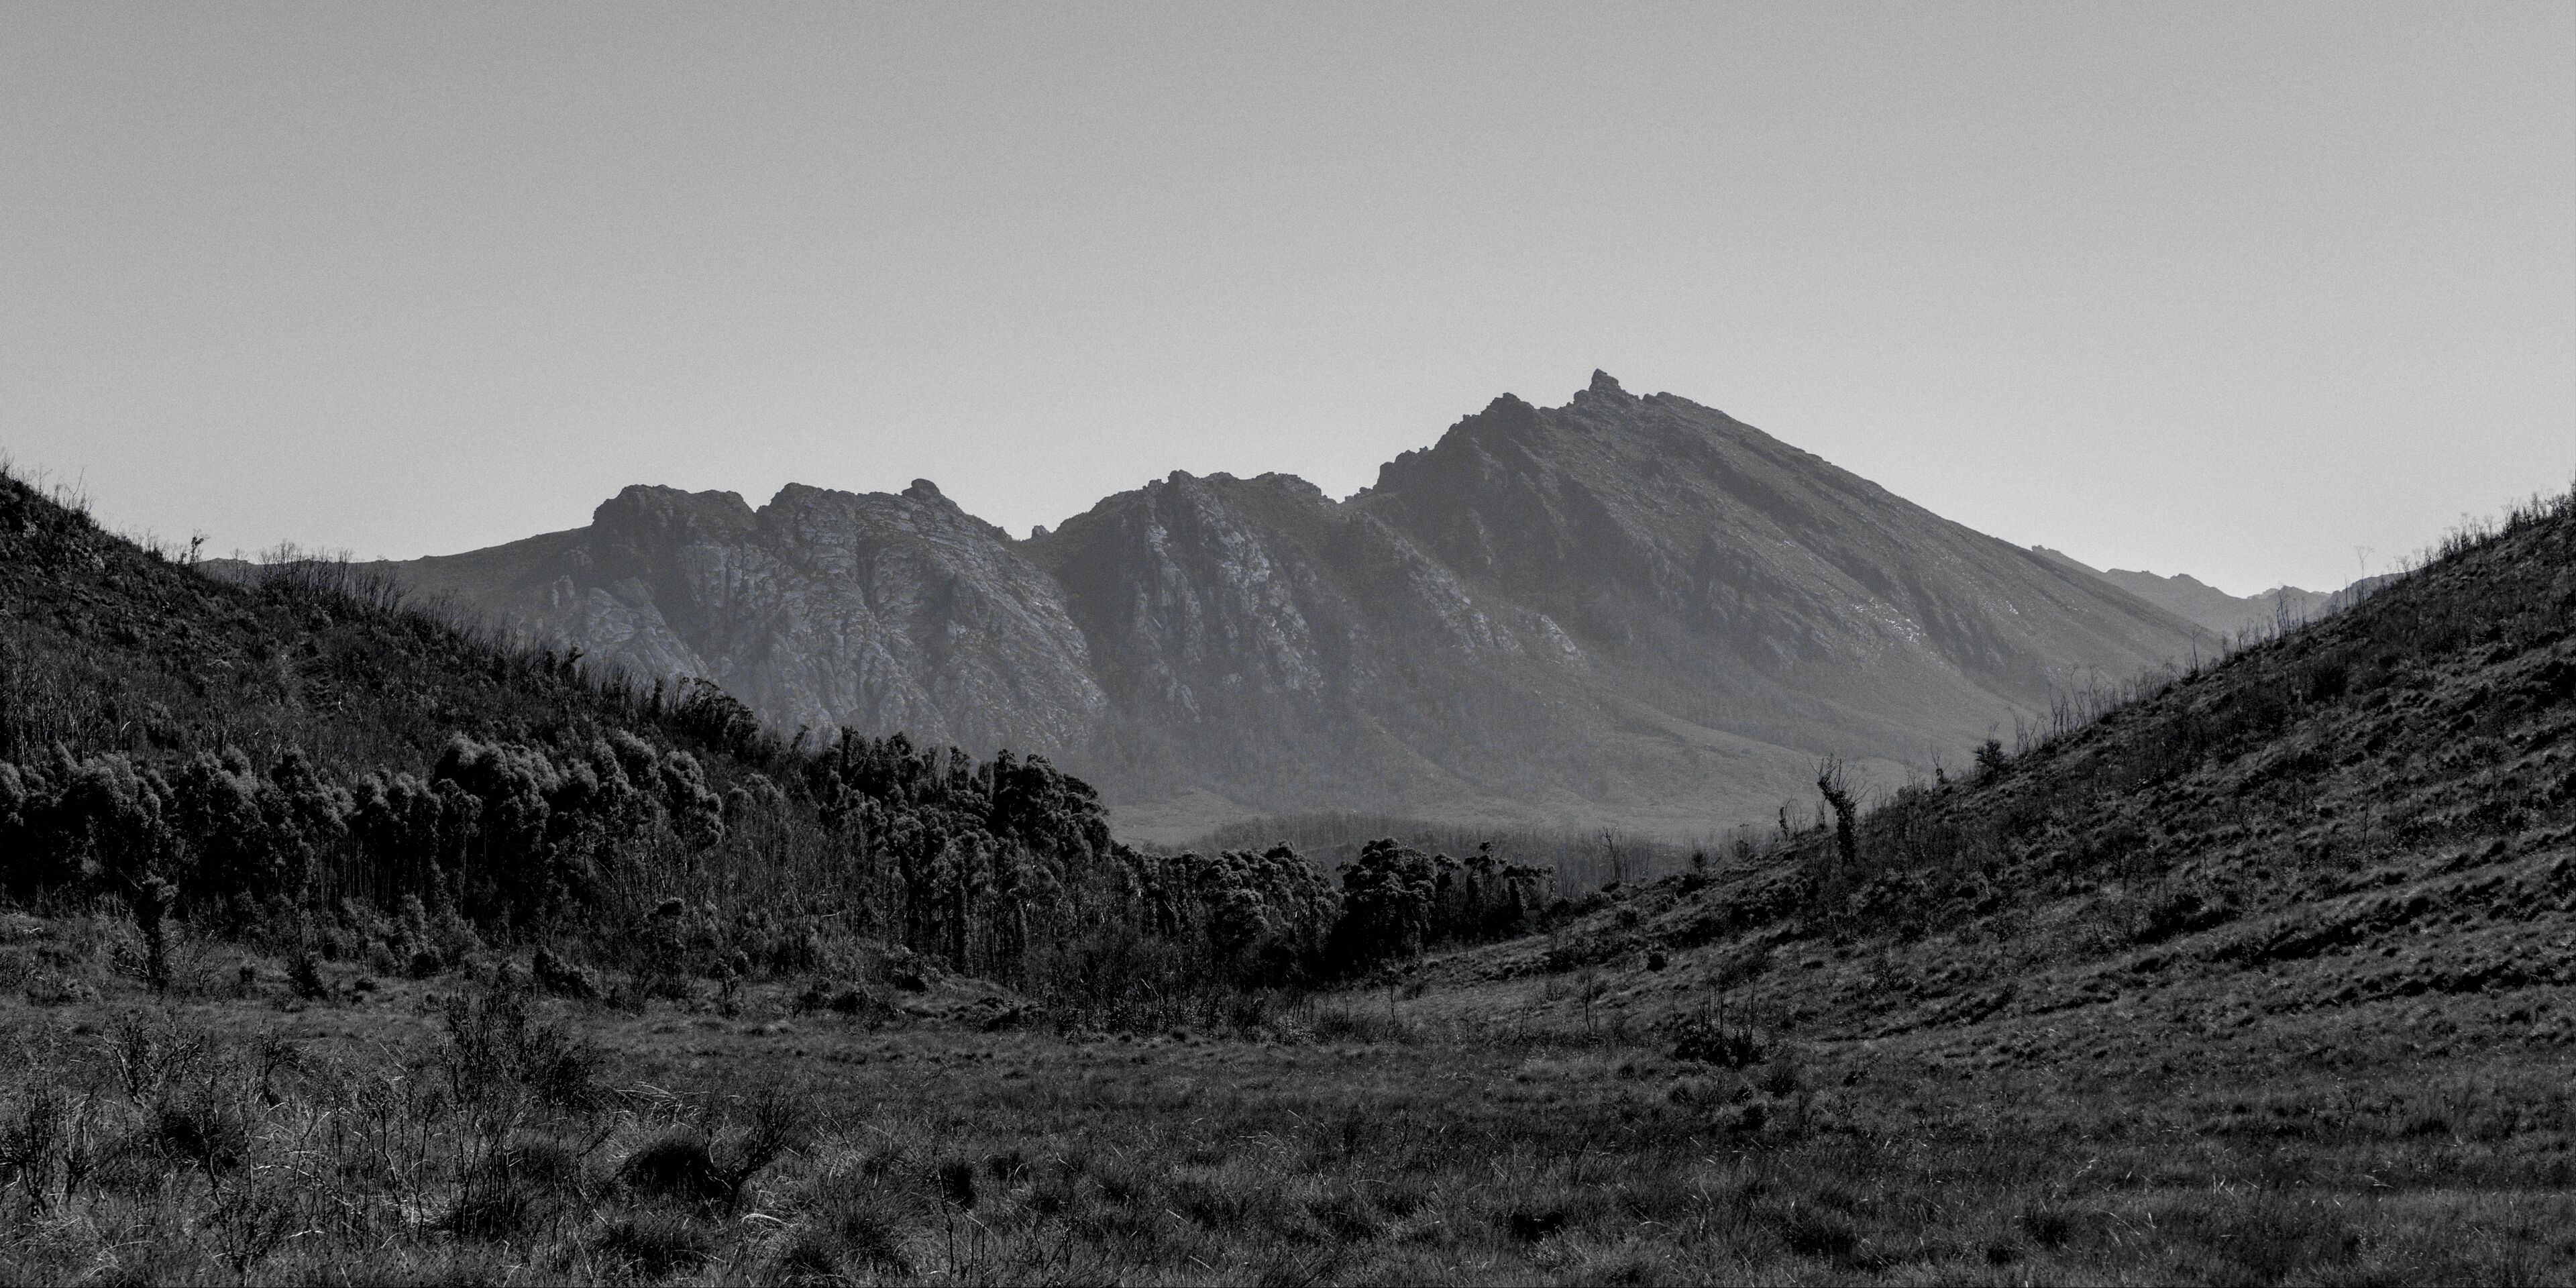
x: 1603, y: 386
x: 1630, y: 607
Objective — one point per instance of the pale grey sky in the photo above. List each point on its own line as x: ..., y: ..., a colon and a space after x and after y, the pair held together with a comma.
x: 2228, y: 289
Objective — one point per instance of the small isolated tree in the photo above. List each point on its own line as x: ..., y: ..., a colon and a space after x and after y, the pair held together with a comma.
x: 1589, y: 986
x: 1990, y: 757
x: 151, y: 899
x: 1833, y: 784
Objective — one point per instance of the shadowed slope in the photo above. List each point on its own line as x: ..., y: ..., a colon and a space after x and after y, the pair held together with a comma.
x: 2292, y: 847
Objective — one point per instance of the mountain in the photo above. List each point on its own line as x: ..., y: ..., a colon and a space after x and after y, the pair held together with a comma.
x: 820, y: 609
x: 2229, y: 617
x: 2354, y: 843
x: 298, y: 757
x: 1625, y: 608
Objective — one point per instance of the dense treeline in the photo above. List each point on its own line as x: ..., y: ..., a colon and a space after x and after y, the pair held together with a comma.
x: 1002, y: 868
x: 300, y: 756
x: 1580, y: 860
x: 1398, y: 901
x: 501, y: 833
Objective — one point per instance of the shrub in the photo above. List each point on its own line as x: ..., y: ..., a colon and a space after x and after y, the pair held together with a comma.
x: 2181, y: 911
x: 1731, y: 1048
x: 1781, y: 1077
x: 495, y: 1048
x: 198, y: 1127
x: 1530, y: 1225
x: 778, y: 1123
x: 304, y: 975
x: 564, y: 978
x: 956, y: 1178
x: 677, y: 1164
x: 544, y: 1163
x: 657, y: 1243
x: 33, y: 1142
x: 852, y: 1227
x: 491, y: 1204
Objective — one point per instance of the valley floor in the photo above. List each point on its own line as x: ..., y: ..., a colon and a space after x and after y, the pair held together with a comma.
x: 243, y: 1135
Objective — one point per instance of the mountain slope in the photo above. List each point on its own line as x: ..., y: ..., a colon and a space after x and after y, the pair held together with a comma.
x: 1626, y: 609
x: 2229, y: 617
x: 2360, y: 838
x: 822, y: 609
x: 1729, y: 577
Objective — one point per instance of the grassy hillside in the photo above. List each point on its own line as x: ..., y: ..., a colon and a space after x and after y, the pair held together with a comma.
x: 2363, y: 832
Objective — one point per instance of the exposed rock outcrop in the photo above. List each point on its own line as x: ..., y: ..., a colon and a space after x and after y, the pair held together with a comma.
x: 820, y: 609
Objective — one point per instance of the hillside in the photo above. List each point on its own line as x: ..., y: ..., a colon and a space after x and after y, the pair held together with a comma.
x: 298, y: 761
x: 108, y: 648
x: 1627, y: 611
x: 2354, y: 843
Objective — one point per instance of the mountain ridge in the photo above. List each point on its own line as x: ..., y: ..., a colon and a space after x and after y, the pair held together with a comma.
x: 2231, y: 618
x: 1630, y: 607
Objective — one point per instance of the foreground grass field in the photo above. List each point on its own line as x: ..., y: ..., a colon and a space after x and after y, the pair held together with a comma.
x: 470, y: 1131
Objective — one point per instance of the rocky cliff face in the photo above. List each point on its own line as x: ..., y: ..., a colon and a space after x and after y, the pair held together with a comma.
x: 1630, y: 609
x: 820, y: 609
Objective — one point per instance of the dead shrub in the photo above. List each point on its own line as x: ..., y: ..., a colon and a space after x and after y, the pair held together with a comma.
x: 200, y: 1128
x: 492, y: 1204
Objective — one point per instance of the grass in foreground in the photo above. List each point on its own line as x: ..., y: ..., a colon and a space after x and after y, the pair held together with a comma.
x: 448, y: 1132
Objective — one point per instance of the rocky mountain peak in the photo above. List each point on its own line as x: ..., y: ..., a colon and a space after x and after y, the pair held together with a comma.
x: 1603, y: 389
x: 922, y: 507
x: 644, y: 515
x: 1507, y: 412
x: 1623, y: 607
